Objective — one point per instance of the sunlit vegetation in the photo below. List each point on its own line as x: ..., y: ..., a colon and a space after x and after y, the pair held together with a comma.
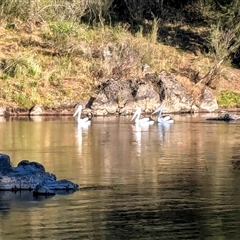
x: 229, y: 99
x: 58, y: 52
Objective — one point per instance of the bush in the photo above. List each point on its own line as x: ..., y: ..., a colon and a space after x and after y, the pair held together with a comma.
x: 229, y: 99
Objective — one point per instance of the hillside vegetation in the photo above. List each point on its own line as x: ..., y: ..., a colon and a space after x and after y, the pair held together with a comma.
x: 57, y: 52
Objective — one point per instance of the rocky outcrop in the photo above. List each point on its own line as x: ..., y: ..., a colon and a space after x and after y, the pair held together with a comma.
x: 31, y: 176
x: 122, y: 97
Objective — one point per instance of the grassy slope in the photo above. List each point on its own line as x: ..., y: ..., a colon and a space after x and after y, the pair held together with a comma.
x: 62, y: 63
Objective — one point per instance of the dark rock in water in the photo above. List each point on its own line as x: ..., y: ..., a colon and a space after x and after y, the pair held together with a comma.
x: 31, y: 176
x: 226, y: 117
x: 236, y: 162
x: 36, y: 164
x: 4, y: 163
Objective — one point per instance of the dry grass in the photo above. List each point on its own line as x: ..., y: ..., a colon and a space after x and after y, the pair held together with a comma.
x: 60, y: 62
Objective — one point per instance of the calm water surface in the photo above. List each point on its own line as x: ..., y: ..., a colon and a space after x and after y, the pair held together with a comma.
x: 163, y: 182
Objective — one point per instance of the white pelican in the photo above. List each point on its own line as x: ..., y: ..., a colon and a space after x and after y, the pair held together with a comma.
x: 139, y: 120
x: 162, y: 118
x: 82, y: 121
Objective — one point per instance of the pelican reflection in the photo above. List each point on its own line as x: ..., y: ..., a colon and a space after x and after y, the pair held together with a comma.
x: 137, y: 130
x: 162, y: 129
x: 80, y: 132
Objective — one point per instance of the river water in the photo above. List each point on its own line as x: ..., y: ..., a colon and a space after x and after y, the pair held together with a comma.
x: 160, y: 182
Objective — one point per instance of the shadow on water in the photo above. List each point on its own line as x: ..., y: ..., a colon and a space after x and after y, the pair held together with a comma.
x: 12, y: 199
x: 156, y: 223
x: 182, y: 211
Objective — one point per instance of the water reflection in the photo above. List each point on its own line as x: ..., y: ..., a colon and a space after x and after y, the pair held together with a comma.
x: 36, y: 118
x: 138, y: 130
x: 2, y: 119
x: 157, y: 186
x: 81, y: 131
x: 163, y: 128
x: 8, y: 198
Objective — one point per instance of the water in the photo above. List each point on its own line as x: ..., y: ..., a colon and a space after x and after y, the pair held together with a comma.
x: 163, y: 182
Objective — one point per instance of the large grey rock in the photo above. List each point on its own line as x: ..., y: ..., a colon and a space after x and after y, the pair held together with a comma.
x: 171, y: 92
x: 35, y: 110
x: 112, y: 95
x: 123, y: 96
x: 208, y: 102
x: 144, y: 96
x: 30, y: 176
x: 178, y: 98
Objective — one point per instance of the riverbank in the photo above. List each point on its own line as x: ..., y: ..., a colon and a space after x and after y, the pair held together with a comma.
x: 58, y: 65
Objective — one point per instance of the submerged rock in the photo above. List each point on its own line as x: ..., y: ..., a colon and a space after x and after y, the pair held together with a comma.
x: 31, y: 176
x: 226, y: 117
x: 236, y: 162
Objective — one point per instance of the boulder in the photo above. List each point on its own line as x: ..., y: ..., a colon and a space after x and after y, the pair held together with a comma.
x: 112, y: 95
x: 35, y: 110
x: 123, y: 96
x: 208, y: 102
x: 172, y: 92
x: 31, y: 176
x: 178, y: 98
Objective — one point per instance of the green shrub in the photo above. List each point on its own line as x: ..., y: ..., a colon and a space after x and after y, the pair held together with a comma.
x: 18, y: 66
x: 229, y: 99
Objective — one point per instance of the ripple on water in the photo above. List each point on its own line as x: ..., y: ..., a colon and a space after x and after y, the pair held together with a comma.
x: 165, y: 183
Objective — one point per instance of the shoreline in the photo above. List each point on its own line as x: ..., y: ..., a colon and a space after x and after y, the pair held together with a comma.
x: 16, y: 112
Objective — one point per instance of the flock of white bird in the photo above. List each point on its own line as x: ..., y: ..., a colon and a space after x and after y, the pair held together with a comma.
x: 146, y: 120
x: 160, y: 119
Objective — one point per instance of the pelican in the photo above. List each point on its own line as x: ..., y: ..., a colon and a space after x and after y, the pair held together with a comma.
x: 136, y: 116
x: 162, y: 118
x: 82, y: 121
